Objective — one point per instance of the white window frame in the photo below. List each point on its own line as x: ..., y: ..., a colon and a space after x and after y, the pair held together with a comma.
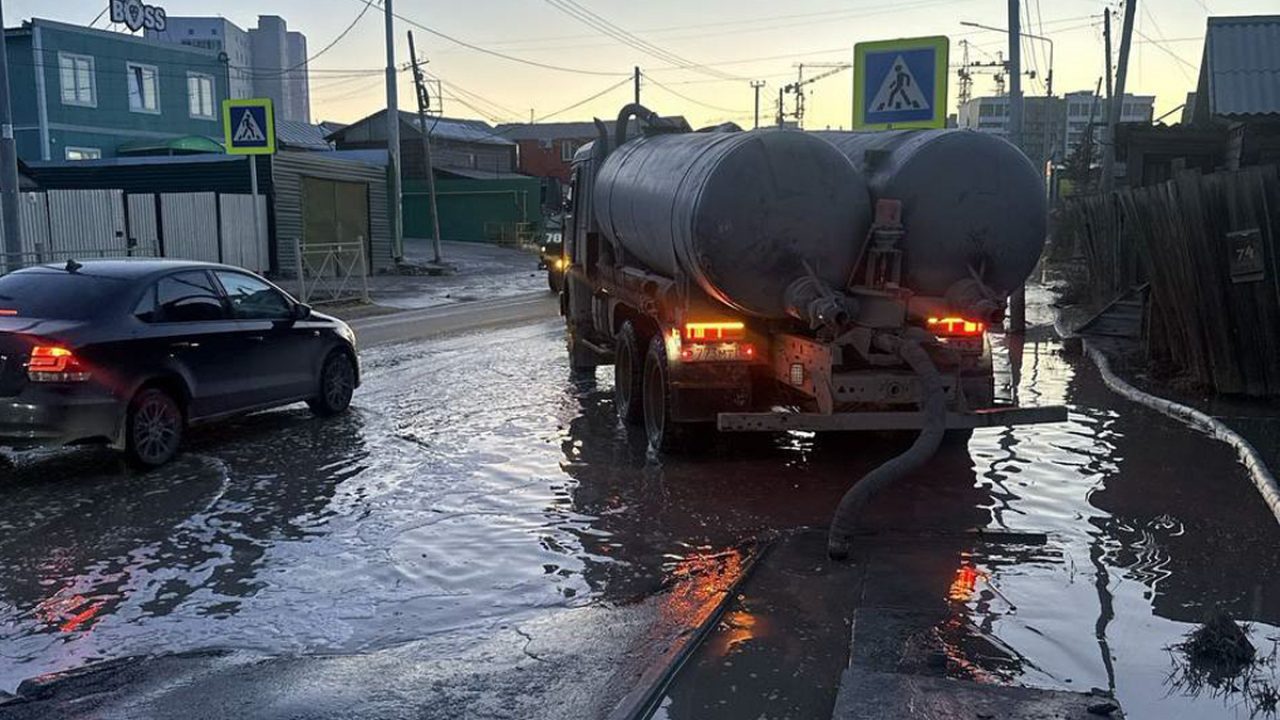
x: 88, y: 153
x: 213, y: 95
x: 129, y: 66
x: 73, y: 59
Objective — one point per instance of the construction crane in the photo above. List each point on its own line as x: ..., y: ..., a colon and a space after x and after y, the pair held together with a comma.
x: 798, y: 87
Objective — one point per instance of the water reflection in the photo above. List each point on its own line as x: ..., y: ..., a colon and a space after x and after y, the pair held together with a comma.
x: 83, y: 539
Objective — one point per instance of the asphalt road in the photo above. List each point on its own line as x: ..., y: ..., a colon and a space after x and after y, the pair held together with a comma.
x: 480, y: 538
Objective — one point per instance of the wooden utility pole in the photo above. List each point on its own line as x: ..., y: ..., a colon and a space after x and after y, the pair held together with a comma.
x: 636, y: 82
x: 1116, y: 104
x: 756, y: 85
x: 1018, y: 302
x: 424, y: 104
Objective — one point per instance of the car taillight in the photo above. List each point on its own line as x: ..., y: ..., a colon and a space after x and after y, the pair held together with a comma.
x: 715, y: 331
x: 53, y: 363
x: 8, y: 312
x: 956, y: 327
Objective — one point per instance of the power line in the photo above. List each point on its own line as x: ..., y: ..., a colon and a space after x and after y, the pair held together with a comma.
x: 504, y: 56
x: 694, y: 101
x: 597, y: 22
x: 276, y: 73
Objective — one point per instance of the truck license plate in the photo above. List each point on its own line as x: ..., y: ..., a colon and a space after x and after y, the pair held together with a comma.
x: 713, y: 353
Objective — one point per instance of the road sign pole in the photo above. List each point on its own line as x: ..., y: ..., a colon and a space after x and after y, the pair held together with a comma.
x: 253, y: 191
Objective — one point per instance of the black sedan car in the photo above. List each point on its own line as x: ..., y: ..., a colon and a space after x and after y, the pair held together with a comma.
x: 131, y: 352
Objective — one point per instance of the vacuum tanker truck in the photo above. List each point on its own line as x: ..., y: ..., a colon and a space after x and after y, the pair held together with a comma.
x: 777, y: 280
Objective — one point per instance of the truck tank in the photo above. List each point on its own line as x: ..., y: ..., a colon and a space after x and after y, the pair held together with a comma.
x: 744, y: 214
x: 972, y: 204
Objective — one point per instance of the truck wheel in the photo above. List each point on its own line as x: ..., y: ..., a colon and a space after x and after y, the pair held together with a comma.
x: 665, y: 434
x: 628, y: 375
x: 555, y: 280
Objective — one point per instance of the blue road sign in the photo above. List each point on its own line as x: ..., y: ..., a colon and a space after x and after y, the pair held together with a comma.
x: 249, y: 127
x: 901, y: 83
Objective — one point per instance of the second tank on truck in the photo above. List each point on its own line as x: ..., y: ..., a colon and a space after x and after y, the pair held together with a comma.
x: 973, y: 206
x: 743, y: 214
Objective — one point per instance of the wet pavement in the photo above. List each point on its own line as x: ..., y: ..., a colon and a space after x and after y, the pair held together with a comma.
x: 482, y: 271
x: 480, y: 538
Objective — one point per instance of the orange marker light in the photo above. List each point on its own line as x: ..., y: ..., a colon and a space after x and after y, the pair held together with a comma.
x: 956, y: 327
x: 6, y: 312
x: 715, y: 331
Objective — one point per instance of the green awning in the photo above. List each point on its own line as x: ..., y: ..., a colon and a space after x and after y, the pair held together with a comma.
x: 189, y: 145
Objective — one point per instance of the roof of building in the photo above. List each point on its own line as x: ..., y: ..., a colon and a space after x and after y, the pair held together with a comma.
x: 106, y: 35
x: 562, y: 130
x: 1240, y: 69
x: 301, y: 135
x: 477, y: 174
x: 455, y: 129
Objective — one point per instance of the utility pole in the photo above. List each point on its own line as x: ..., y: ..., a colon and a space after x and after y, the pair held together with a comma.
x: 756, y: 85
x: 424, y: 104
x: 1018, y: 302
x: 12, y: 228
x: 636, y: 82
x: 393, y: 138
x: 1106, y: 35
x: 781, y: 108
x: 1116, y: 102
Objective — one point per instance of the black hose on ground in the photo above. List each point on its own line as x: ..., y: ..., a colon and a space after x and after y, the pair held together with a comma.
x: 843, y: 524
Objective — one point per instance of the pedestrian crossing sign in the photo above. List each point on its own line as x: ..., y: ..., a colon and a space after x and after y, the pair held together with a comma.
x: 249, y: 126
x: 900, y: 83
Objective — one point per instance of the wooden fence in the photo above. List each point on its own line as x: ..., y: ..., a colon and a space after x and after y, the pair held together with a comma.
x: 1208, y: 245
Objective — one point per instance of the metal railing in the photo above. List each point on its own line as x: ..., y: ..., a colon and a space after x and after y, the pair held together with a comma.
x: 332, y: 272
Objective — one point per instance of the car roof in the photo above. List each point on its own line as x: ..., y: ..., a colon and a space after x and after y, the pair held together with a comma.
x: 132, y: 268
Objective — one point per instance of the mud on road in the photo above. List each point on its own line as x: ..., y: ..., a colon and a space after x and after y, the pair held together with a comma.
x: 481, y: 538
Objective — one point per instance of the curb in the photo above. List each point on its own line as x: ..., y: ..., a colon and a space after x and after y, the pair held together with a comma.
x: 1253, y: 462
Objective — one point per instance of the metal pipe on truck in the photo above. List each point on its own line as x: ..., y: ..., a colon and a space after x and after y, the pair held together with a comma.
x: 745, y: 215
x: 973, y: 205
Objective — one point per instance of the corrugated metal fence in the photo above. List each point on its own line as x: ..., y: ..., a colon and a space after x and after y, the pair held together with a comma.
x: 87, y: 224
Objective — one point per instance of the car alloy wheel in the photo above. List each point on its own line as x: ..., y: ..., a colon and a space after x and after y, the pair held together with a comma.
x: 155, y: 428
x: 337, y: 385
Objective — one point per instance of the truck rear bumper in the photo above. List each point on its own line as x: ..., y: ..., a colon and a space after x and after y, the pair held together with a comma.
x: 913, y: 420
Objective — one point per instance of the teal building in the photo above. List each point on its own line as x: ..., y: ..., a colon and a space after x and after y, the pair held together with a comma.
x: 80, y: 93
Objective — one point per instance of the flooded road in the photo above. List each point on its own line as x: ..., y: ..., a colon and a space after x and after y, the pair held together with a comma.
x: 480, y: 537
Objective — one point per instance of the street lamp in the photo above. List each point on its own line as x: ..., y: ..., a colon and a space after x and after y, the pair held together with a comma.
x: 1048, y: 81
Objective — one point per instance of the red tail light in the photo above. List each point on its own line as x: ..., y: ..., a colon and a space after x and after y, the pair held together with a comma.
x: 53, y: 363
x: 7, y: 312
x: 715, y: 331
x: 956, y: 327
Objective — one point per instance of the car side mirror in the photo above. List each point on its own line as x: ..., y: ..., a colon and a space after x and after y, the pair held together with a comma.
x: 301, y: 311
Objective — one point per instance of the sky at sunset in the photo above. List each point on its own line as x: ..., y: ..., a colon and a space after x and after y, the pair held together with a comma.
x: 705, y: 51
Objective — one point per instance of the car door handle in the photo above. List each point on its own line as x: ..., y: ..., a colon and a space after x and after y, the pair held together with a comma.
x: 184, y: 345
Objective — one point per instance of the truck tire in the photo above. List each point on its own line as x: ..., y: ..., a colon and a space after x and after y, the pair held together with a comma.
x: 665, y: 435
x: 628, y: 375
x: 555, y: 280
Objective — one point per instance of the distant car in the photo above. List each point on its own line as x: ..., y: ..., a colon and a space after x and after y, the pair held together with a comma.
x: 552, y: 259
x: 129, y: 353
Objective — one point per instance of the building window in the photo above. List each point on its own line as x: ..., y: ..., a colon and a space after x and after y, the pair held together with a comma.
x: 567, y: 150
x: 83, y: 153
x: 77, y: 77
x: 144, y: 88
x: 200, y: 95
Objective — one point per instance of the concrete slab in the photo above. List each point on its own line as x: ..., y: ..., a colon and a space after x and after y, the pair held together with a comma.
x: 870, y: 695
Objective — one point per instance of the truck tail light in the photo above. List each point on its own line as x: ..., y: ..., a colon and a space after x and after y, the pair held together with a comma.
x: 54, y: 363
x: 956, y: 327
x: 715, y: 331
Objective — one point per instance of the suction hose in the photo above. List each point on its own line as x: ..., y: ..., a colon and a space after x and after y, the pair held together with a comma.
x: 908, y: 347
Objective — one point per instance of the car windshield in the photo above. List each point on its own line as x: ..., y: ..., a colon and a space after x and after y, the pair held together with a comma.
x: 58, y: 295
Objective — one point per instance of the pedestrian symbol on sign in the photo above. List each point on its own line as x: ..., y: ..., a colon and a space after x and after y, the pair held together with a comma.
x: 249, y: 126
x: 248, y: 131
x: 899, y: 90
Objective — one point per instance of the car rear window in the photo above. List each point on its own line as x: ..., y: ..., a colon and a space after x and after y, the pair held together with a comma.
x: 59, y: 295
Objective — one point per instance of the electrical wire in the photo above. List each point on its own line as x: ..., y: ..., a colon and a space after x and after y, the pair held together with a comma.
x: 597, y: 22
x: 347, y: 30
x: 693, y: 100
x: 504, y: 56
